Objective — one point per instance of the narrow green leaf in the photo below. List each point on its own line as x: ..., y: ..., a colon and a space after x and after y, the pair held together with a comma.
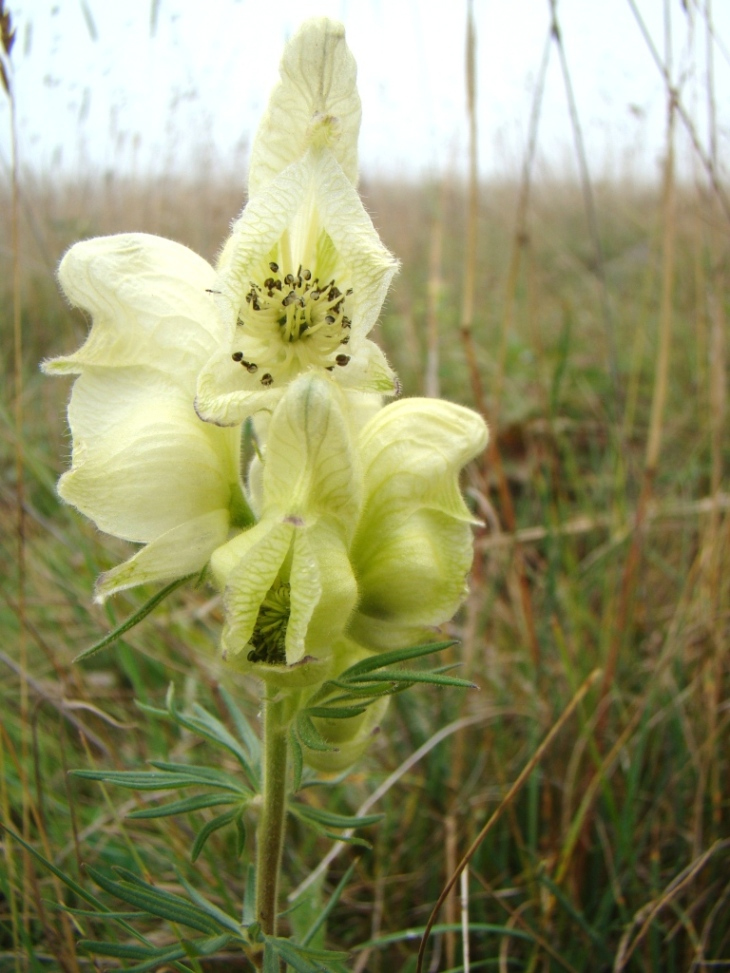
x: 148, y: 780
x: 243, y: 727
x: 188, y: 948
x: 304, y: 959
x: 382, y: 659
x: 135, y: 619
x: 335, y: 712
x: 71, y: 884
x: 216, y: 778
x: 184, y: 806
x: 207, y: 830
x: 310, y: 735
x: 94, y: 914
x: 240, y: 834
x: 349, y: 839
x: 123, y: 950
x: 331, y: 820
x: 333, y: 900
x: 165, y: 905
x: 411, y: 676
x: 271, y: 960
x: 221, y: 917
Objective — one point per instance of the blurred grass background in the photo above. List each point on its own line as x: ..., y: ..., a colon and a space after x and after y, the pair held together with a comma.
x: 588, y: 322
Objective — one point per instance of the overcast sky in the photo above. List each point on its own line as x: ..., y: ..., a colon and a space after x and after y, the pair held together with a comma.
x: 164, y: 86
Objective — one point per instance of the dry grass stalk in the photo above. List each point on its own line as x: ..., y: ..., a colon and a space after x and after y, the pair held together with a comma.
x: 504, y: 805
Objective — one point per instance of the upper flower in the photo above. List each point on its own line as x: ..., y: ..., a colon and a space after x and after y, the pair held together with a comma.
x: 304, y: 274
x: 144, y: 467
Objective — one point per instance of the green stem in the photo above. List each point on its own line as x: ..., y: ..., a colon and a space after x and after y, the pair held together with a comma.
x: 270, y: 836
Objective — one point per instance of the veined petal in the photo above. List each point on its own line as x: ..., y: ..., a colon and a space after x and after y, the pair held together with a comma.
x: 261, y: 226
x: 247, y: 567
x: 412, y: 453
x: 182, y: 550
x: 316, y: 98
x: 356, y: 241
x: 311, y: 468
x: 149, y: 302
x: 368, y: 371
x: 305, y: 275
x: 411, y: 578
x: 143, y: 463
x: 323, y: 592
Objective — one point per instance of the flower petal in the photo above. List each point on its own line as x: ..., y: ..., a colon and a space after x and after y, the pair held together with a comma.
x: 411, y: 578
x: 143, y: 462
x: 412, y: 453
x: 371, y: 264
x: 149, y: 305
x: 248, y: 566
x: 316, y: 97
x: 311, y: 468
x: 182, y: 550
x: 323, y: 592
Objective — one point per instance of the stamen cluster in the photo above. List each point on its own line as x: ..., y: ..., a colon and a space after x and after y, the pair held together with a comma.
x: 296, y: 318
x: 269, y: 636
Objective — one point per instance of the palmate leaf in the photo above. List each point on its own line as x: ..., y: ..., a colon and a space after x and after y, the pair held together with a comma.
x: 208, y: 726
x: 370, y: 679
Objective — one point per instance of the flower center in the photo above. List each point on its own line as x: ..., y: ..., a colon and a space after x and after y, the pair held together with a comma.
x: 292, y: 322
x: 269, y: 634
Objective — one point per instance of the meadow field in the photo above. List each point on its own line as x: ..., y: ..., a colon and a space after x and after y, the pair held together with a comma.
x: 588, y: 324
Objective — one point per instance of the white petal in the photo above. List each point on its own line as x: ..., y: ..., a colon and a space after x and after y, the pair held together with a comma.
x: 368, y: 371
x: 311, y: 468
x: 323, y: 592
x: 412, y: 453
x: 415, y: 574
x: 143, y: 462
x: 248, y: 566
x: 371, y: 265
x: 260, y: 226
x: 318, y: 76
x: 149, y: 305
x: 184, y: 549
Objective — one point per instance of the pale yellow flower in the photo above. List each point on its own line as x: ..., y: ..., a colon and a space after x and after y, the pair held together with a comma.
x: 304, y: 274
x: 144, y: 467
x: 363, y: 532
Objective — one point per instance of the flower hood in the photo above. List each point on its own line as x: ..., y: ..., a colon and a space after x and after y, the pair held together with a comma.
x: 304, y: 274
